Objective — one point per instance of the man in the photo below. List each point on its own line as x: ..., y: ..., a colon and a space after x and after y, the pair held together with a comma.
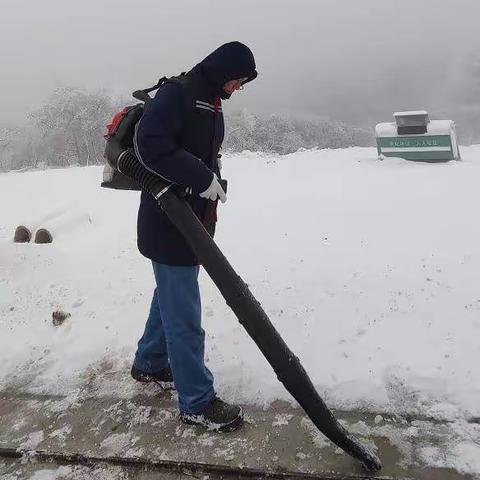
x: 178, y: 138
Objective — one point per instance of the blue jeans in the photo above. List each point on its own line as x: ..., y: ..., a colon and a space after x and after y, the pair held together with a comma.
x: 173, y: 334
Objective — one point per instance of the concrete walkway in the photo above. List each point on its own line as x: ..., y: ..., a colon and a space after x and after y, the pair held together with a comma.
x: 145, y: 426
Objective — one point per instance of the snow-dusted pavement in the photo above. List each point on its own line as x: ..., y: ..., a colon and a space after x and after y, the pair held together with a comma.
x: 370, y: 270
x: 144, y: 425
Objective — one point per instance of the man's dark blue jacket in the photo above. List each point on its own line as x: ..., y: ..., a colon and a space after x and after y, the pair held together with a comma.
x: 179, y: 137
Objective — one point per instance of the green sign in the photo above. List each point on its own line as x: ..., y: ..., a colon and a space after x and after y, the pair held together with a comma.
x: 415, y: 141
x: 416, y: 147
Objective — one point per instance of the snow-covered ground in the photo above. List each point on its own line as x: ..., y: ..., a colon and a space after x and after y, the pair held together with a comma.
x: 370, y: 270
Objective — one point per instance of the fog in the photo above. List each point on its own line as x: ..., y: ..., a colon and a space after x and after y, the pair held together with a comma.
x: 352, y: 60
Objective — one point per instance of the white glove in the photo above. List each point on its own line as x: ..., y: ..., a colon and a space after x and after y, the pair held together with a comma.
x: 214, y: 190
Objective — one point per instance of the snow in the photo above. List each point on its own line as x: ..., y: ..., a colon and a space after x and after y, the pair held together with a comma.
x: 465, y: 457
x: 369, y: 270
x: 120, y: 443
x: 61, y: 433
x: 410, y: 113
x: 281, y: 419
x: 434, y: 127
x: 33, y: 439
x: 318, y: 439
x: 72, y: 473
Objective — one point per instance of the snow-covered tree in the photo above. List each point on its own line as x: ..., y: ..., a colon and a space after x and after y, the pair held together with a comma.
x: 15, y: 142
x: 71, y: 124
x: 7, y: 136
x: 287, y: 133
x: 68, y: 130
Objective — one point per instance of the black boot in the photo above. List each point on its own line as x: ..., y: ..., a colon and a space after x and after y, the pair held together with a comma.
x: 217, y: 416
x: 163, y: 378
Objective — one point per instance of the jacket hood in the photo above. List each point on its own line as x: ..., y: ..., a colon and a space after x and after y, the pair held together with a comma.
x: 231, y: 61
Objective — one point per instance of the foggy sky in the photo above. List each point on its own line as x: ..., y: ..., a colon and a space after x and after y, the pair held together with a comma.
x: 348, y: 59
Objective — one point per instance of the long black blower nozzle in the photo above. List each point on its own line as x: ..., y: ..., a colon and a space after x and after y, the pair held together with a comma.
x: 247, y: 309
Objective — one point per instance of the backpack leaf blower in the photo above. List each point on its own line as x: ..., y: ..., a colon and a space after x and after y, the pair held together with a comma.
x: 121, y: 159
